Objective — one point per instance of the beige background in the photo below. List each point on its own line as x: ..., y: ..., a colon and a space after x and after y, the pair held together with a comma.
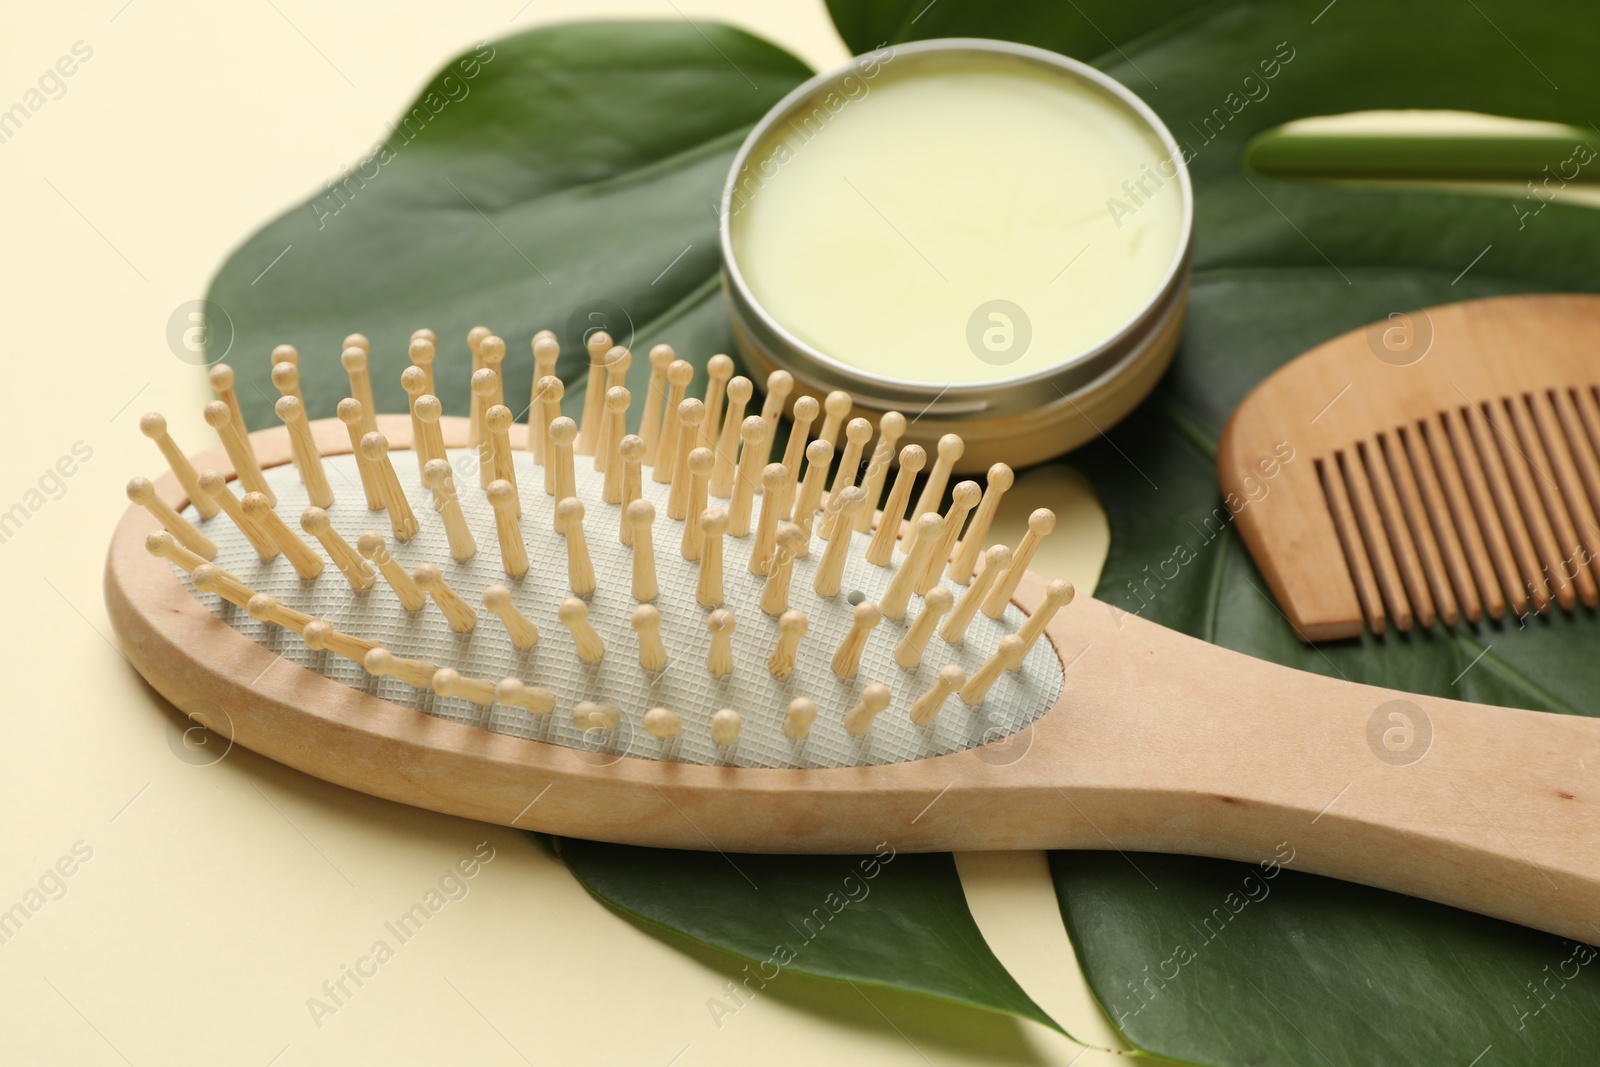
x: 219, y: 898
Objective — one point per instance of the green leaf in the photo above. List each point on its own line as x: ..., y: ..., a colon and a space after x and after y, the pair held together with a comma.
x: 571, y: 181
x: 1317, y: 971
x: 899, y: 921
x: 578, y: 170
x: 1361, y: 976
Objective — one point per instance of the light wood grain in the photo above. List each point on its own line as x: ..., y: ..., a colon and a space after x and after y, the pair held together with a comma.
x: 1377, y: 489
x: 1158, y: 742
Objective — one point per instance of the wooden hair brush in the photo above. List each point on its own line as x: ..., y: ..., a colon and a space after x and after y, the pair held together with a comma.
x: 670, y: 639
x: 1446, y: 467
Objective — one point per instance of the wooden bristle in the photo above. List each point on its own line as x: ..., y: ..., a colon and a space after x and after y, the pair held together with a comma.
x: 461, y: 616
x: 719, y: 658
x: 372, y: 546
x: 996, y: 482
x: 437, y: 476
x: 963, y: 498
x: 691, y: 413
x: 1057, y: 595
x: 632, y: 451
x: 354, y: 361
x: 417, y: 673
x: 925, y: 534
x: 891, y: 427
x: 908, y: 653
x: 613, y: 418
x: 761, y: 548
x: 523, y: 633
x: 641, y: 515
x: 747, y: 475
x: 856, y: 435
x: 550, y: 389
x: 154, y: 426
x: 562, y: 474
x: 286, y: 379
x: 231, y: 432
x: 847, y: 657
x: 719, y: 369
x: 402, y: 519
x: 532, y: 698
x: 350, y: 413
x: 215, y: 486
x: 830, y: 569
x: 1040, y: 524
x: 995, y: 563
x: 307, y: 564
x: 679, y: 374
x: 574, y: 615
x: 598, y: 346
x: 314, y: 521
x: 209, y: 578
x: 546, y: 351
x: 835, y: 409
x: 270, y: 609
x: 792, y: 626
x: 319, y: 635
x: 726, y: 726
x: 949, y: 450
x: 580, y: 567
x: 163, y: 544
x: 801, y: 419
x: 647, y: 624
x: 616, y: 426
x: 307, y: 460
x: 713, y: 526
x: 422, y: 353
x: 950, y: 679
x: 819, y: 454
x: 655, y: 401
x: 880, y: 553
x: 798, y: 719
x: 775, y: 590
x: 701, y: 463
x: 659, y: 722
x: 1007, y: 657
x: 740, y: 390
x: 513, y: 553
x: 448, y: 682
x: 475, y: 338
x: 595, y: 715
x: 780, y: 383
x: 874, y: 701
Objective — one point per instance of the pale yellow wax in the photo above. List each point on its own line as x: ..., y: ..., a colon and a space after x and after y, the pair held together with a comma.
x: 875, y: 230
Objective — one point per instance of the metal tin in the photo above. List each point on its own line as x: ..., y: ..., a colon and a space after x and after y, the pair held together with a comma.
x: 1000, y: 420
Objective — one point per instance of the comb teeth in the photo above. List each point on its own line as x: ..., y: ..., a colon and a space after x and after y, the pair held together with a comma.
x: 1486, y: 505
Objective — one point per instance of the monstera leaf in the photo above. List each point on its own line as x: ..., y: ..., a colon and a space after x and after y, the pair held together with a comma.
x: 531, y: 186
x: 1320, y: 972
x: 566, y: 178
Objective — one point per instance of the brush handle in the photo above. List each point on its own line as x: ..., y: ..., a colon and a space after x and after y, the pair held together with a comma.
x: 1176, y: 745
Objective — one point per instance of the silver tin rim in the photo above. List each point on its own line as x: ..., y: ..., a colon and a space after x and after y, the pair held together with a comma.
x: 1117, y: 352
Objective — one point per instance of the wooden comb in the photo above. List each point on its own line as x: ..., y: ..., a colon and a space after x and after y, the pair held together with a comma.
x: 1436, y: 466
x: 659, y: 709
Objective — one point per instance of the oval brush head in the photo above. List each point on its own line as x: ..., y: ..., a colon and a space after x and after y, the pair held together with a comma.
x: 733, y: 613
